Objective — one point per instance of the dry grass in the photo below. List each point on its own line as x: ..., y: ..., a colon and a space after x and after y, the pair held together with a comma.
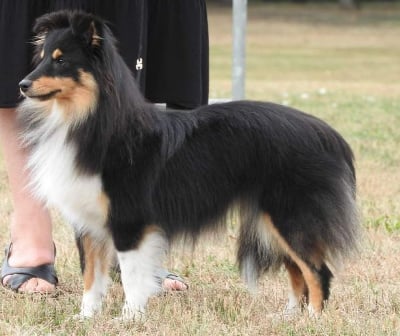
x: 341, y: 66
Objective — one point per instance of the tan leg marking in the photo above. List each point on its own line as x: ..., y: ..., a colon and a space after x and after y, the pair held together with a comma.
x: 104, y: 203
x: 297, y: 281
x: 313, y: 283
x: 89, y: 255
x: 95, y: 254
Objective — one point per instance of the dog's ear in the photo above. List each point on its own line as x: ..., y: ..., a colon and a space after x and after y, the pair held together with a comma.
x: 88, y: 28
x: 94, y: 35
x: 48, y: 22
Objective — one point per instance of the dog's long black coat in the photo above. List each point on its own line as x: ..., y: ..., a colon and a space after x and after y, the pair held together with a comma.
x: 290, y: 174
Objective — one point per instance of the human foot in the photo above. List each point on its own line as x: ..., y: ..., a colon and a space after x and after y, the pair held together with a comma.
x: 38, y: 278
x: 172, y: 282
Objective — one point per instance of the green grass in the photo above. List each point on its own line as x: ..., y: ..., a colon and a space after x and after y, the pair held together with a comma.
x: 342, y: 66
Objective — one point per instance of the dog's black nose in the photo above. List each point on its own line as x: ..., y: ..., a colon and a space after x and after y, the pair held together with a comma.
x: 25, y: 84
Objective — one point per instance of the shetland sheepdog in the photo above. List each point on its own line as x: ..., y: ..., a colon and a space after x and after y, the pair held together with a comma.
x: 131, y: 177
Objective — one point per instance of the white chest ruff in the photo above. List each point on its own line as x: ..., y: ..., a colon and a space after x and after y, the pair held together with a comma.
x: 57, y: 181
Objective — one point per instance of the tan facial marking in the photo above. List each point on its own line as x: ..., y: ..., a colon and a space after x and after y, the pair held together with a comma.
x: 82, y: 99
x: 56, y: 53
x: 46, y: 85
x: 77, y: 99
x: 42, y: 53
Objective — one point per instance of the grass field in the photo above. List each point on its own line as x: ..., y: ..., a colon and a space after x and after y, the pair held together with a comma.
x: 343, y: 66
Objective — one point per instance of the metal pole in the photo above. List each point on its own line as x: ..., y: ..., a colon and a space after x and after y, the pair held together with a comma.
x: 239, y: 48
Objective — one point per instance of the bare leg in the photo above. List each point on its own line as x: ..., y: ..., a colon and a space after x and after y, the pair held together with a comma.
x: 30, y: 229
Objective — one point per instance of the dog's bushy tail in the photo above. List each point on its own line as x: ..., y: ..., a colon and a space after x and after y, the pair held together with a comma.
x: 325, y: 228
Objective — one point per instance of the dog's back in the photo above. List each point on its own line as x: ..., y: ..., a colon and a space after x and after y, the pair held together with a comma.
x: 290, y: 175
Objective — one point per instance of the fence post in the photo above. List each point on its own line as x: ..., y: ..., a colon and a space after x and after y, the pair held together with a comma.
x: 239, y: 48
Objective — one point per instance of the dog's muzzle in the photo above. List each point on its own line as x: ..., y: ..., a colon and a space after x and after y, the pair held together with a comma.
x: 25, y: 84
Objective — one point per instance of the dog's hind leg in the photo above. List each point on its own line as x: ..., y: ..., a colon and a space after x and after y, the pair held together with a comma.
x: 138, y: 271
x: 325, y: 276
x: 313, y: 270
x: 298, y: 295
x: 95, y: 257
x: 319, y: 279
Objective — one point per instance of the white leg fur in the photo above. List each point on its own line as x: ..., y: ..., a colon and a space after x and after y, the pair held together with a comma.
x: 92, y: 299
x: 138, y: 273
x: 293, y: 306
x: 312, y: 312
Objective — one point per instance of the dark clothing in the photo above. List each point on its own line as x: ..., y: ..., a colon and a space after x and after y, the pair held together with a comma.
x: 164, y: 43
x: 177, y: 60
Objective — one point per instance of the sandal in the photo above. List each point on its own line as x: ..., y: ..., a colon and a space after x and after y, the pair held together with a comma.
x: 19, y: 275
x: 165, y: 274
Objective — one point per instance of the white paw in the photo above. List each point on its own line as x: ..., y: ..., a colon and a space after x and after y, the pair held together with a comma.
x: 291, y: 311
x: 80, y: 317
x: 88, y: 310
x: 312, y: 312
x: 132, y: 313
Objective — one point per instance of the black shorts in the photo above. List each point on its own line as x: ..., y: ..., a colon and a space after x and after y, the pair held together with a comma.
x: 164, y: 43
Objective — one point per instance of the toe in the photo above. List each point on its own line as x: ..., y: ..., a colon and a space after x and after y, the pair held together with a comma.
x: 28, y: 286
x: 5, y: 280
x: 44, y: 287
x: 36, y: 285
x: 170, y: 284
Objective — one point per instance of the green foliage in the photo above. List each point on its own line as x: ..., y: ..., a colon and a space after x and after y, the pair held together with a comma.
x: 389, y: 223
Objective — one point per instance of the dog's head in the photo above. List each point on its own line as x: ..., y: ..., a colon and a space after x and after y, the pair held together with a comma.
x: 66, y: 45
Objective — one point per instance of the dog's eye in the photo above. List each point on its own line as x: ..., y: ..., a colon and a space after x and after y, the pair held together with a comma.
x: 60, y: 60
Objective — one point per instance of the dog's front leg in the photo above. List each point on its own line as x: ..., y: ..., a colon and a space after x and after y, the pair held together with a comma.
x: 138, y: 269
x: 95, y: 258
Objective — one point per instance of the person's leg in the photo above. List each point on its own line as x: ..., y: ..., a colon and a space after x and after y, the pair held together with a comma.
x: 31, y: 228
